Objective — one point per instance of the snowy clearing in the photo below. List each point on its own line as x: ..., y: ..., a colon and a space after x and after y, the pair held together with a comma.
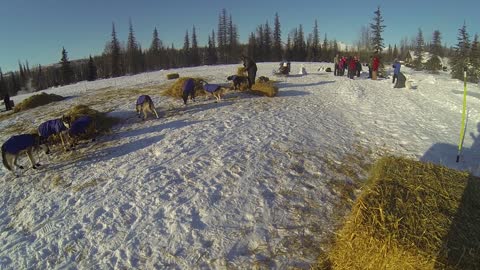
x: 241, y: 183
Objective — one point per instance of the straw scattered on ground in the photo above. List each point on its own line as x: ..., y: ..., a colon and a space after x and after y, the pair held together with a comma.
x: 411, y: 215
x: 36, y: 101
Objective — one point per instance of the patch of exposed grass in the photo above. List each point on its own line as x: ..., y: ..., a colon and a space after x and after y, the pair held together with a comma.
x: 57, y: 181
x: 412, y: 215
x: 6, y: 115
x: 19, y: 128
x: 83, y: 186
x: 36, y: 101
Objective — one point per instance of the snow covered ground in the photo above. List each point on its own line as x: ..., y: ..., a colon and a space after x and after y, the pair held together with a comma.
x: 241, y: 183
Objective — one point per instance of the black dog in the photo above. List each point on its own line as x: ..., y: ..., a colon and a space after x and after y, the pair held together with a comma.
x: 237, y: 81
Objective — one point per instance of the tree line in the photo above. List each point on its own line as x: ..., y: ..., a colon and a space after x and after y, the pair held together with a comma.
x: 223, y: 47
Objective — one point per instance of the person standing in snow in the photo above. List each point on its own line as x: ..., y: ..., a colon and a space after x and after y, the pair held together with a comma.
x: 375, y: 66
x: 6, y: 100
x: 251, y: 68
x: 369, y: 65
x: 358, y: 66
x: 335, y: 63
x: 396, y: 69
x: 352, y: 67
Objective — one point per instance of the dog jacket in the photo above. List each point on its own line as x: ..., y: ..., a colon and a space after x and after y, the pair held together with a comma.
x: 80, y: 125
x: 18, y: 143
x: 51, y: 127
x: 211, y: 87
x: 188, y: 87
x: 142, y: 99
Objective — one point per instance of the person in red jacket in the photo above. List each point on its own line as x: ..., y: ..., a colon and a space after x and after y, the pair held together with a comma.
x: 352, y: 67
x: 375, y: 65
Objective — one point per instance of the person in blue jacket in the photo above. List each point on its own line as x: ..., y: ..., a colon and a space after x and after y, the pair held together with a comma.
x: 396, y: 69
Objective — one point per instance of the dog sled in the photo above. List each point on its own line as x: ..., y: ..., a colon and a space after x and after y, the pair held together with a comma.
x: 283, y: 70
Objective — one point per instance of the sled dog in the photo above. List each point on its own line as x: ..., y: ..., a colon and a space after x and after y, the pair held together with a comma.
x: 215, y: 90
x: 81, y: 128
x: 52, y: 128
x: 23, y: 143
x: 145, y: 105
x: 237, y: 81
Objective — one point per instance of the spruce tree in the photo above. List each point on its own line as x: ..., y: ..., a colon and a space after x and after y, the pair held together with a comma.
x: 419, y: 49
x: 233, y: 43
x: 474, y: 72
x: 315, y: 43
x: 434, y: 64
x: 155, y: 52
x: 133, y: 52
x: 461, y: 60
x: 395, y: 51
x: 91, y: 70
x: 252, y: 47
x: 277, y: 40
x: 327, y: 53
x: 67, y: 74
x: 3, y: 84
x: 267, y: 42
x: 14, y: 84
x: 114, y: 52
x: 186, y: 50
x: 289, y: 49
x: 260, y: 44
x: 40, y: 80
x: 194, y: 52
x: 212, y: 50
x: 222, y: 36
x: 377, y: 27
x: 23, y: 77
x: 436, y: 46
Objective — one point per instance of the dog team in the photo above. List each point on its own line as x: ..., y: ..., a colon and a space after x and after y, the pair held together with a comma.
x: 70, y: 130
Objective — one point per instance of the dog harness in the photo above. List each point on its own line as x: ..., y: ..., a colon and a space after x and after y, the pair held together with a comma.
x: 211, y: 87
x: 142, y: 99
x: 51, y: 127
x: 188, y: 87
x: 18, y: 143
x: 80, y: 125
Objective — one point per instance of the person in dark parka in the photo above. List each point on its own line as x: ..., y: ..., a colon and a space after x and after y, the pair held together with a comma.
x: 401, y: 80
x: 251, y: 68
x: 396, y: 69
x: 6, y: 100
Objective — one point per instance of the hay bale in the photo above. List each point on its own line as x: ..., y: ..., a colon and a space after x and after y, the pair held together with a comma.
x: 412, y: 215
x: 176, y: 89
x: 268, y: 89
x: 103, y: 122
x: 241, y: 71
x: 36, y: 101
x: 172, y: 76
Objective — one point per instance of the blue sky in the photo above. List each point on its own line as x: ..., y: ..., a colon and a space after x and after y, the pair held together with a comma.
x: 36, y: 30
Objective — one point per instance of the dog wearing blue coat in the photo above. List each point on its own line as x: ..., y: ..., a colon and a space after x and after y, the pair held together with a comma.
x: 18, y: 144
x: 145, y: 105
x: 82, y: 127
x: 215, y: 90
